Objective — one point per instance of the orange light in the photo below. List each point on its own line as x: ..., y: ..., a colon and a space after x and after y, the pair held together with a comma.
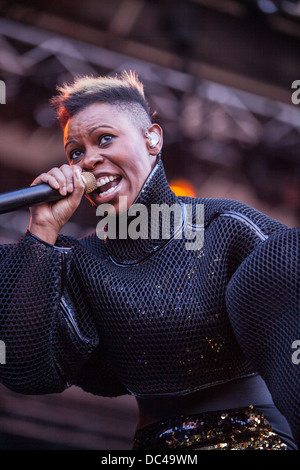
x: 182, y: 187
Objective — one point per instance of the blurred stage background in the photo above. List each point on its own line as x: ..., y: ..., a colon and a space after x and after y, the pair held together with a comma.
x: 218, y: 73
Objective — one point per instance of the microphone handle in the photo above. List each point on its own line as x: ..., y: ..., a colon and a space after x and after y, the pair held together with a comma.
x: 27, y: 197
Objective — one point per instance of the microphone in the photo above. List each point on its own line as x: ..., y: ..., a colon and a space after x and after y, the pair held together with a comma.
x: 26, y: 197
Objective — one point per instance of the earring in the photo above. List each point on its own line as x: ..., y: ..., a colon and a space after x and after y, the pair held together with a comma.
x: 153, y: 138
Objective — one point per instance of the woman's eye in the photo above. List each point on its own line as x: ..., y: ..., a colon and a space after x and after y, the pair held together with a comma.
x: 105, y: 139
x: 75, y: 154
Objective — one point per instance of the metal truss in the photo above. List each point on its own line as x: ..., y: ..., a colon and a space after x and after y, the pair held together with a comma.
x: 206, y: 122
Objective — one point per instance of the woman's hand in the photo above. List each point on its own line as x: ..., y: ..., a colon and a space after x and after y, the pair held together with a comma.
x: 47, y: 219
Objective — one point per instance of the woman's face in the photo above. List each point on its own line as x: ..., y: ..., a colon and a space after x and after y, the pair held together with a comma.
x: 103, y: 140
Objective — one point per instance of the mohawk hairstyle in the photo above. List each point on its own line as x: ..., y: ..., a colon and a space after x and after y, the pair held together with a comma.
x: 124, y: 90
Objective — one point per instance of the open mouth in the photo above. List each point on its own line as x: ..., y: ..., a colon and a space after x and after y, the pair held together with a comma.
x: 107, y: 184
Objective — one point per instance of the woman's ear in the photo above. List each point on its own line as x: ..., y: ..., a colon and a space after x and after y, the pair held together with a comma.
x: 154, y: 135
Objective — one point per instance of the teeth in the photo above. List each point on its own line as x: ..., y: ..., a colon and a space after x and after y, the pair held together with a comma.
x: 108, y: 191
x: 105, y: 180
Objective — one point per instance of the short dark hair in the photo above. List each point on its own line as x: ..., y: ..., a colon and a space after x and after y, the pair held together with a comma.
x: 124, y: 90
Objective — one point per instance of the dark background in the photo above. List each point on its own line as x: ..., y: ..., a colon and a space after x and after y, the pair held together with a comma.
x: 219, y: 75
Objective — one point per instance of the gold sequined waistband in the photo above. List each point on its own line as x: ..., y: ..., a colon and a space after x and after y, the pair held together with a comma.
x: 236, y: 429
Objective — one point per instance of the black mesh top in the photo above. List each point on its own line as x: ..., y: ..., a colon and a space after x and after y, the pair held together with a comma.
x: 156, y: 316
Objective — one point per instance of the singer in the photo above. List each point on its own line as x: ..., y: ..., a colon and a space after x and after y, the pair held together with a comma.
x: 202, y: 338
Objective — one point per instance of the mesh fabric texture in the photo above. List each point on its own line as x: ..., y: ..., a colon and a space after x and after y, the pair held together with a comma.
x: 263, y: 299
x: 142, y: 316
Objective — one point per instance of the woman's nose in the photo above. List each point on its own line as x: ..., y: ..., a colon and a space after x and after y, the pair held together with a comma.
x: 91, y: 159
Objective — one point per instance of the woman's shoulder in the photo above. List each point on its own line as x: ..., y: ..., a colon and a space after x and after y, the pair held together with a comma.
x: 217, y: 209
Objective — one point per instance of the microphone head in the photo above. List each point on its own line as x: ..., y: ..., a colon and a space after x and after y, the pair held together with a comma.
x: 89, y: 181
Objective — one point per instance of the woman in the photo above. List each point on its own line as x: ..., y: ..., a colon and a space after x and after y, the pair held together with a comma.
x: 128, y: 311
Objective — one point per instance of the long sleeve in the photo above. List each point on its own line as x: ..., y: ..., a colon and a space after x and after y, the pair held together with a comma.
x: 44, y: 348
x: 263, y: 303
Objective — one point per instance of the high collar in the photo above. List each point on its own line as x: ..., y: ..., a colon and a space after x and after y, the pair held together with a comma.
x: 154, y: 193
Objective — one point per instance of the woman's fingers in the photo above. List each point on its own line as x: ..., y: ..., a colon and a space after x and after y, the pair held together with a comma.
x: 77, y: 180
x: 53, y: 178
x: 47, y: 219
x: 67, y: 173
x: 64, y: 177
x: 61, y: 179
